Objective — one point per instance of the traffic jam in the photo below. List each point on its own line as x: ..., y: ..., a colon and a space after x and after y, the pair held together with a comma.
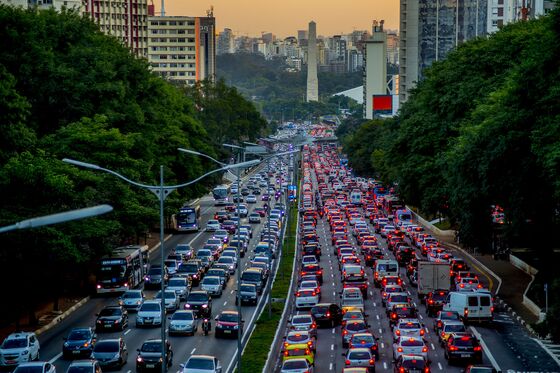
x: 375, y: 291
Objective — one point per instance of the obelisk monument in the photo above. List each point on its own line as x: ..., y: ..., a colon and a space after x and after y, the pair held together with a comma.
x: 312, y: 83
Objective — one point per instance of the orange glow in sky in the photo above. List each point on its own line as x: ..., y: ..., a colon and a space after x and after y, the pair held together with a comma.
x: 284, y: 17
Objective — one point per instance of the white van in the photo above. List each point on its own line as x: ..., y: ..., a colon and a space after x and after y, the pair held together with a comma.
x: 384, y: 267
x: 471, y: 306
x: 356, y: 197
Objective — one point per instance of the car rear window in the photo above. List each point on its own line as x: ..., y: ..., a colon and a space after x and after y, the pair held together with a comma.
x: 473, y: 301
x: 454, y: 328
x: 412, y: 343
x: 359, y: 355
x: 464, y: 342
x: 355, y: 326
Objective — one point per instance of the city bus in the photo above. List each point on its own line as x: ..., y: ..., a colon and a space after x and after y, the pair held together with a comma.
x: 221, y: 195
x: 124, y: 269
x: 187, y: 219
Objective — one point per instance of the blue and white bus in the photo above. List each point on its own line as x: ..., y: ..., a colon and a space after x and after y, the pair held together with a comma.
x: 221, y: 195
x: 187, y: 219
x: 124, y: 269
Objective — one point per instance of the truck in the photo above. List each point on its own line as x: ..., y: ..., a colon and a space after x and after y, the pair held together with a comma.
x: 432, y: 276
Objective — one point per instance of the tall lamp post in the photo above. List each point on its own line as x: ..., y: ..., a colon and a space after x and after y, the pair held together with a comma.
x: 161, y: 191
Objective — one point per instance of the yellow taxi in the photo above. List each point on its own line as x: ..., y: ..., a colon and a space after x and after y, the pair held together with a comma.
x: 298, y: 351
x: 449, y: 327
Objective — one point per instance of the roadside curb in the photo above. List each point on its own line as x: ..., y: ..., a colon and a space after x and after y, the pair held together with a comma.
x: 75, y: 307
x: 62, y: 316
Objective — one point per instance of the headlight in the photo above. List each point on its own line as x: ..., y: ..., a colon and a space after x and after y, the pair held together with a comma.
x: 187, y: 305
x: 139, y: 359
x: 25, y: 352
x: 204, y: 306
x: 66, y: 344
x: 235, y: 327
x: 117, y: 355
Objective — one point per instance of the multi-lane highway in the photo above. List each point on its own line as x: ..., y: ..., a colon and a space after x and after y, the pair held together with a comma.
x: 506, y: 345
x: 224, y: 349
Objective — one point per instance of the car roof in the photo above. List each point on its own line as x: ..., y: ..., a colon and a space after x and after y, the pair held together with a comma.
x: 20, y: 335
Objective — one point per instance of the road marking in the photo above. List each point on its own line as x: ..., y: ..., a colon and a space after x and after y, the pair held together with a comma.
x: 371, y: 293
x: 332, y: 347
x: 421, y: 317
x: 409, y: 292
x: 232, y: 291
x: 433, y: 347
x: 330, y: 366
x: 382, y: 345
x: 55, y: 358
x: 380, y: 331
x: 225, y: 302
x: 128, y: 371
x: 333, y: 331
x: 375, y: 305
x: 128, y: 331
x: 384, y: 365
x: 193, y: 350
x: 334, y: 293
x: 439, y: 366
x: 377, y: 317
x: 486, y: 349
x: 195, y: 237
x: 415, y: 305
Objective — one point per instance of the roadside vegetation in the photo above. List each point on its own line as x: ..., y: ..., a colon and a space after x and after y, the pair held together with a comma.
x: 482, y: 128
x: 68, y: 90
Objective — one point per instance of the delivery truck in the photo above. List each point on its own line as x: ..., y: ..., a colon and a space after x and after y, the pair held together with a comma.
x: 432, y: 276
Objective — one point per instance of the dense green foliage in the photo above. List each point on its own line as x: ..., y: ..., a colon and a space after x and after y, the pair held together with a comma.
x: 68, y: 90
x: 281, y: 94
x: 482, y: 128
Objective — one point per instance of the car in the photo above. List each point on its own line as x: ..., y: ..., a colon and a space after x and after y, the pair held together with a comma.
x: 200, y: 302
x: 36, y: 367
x: 309, y: 259
x: 191, y: 270
x: 297, y: 337
x: 254, y: 218
x: 149, y: 314
x: 221, y: 273
x: 443, y: 316
x: 213, y: 285
x: 449, y: 327
x: 221, y: 216
x: 352, y: 314
x: 171, y: 265
x: 180, y: 285
x: 84, y: 366
x: 410, y: 346
x: 397, y: 299
x: 435, y: 300
x: 365, y: 340
x: 411, y: 363
x: 296, y: 366
x: 463, y: 347
x: 401, y: 312
x: 19, y: 348
x: 79, y: 343
x: 183, y: 322
x: 131, y: 300
x: 111, y: 318
x: 304, y: 322
x: 212, y: 225
x: 351, y: 328
x: 298, y: 351
x: 251, y: 198
x: 172, y: 301
x: 360, y: 357
x: 149, y: 356
x: 185, y: 250
x: 227, y: 324
x: 306, y: 298
x: 408, y: 328
x: 201, y: 364
x: 110, y: 353
x: 155, y: 276
x: 479, y: 369
x: 248, y: 294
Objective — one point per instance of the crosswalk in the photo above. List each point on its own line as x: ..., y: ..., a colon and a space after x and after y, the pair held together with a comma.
x: 552, y: 348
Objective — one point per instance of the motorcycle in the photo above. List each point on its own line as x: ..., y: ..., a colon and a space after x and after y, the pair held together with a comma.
x: 206, y: 326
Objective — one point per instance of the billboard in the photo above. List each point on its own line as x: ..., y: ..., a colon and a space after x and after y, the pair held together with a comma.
x: 382, y: 104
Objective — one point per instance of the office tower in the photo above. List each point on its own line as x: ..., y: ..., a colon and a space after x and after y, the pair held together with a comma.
x: 312, y: 82
x: 375, y: 72
x: 393, y: 47
x: 225, y: 42
x: 182, y: 48
x: 506, y: 11
x: 302, y: 35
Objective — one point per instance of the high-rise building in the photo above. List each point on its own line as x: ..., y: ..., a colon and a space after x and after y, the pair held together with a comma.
x: 44, y: 4
x: 302, y: 35
x: 182, y: 48
x: 430, y: 29
x: 123, y: 19
x: 393, y: 47
x: 375, y: 70
x: 225, y: 42
x: 312, y: 81
x: 268, y: 37
x: 506, y: 11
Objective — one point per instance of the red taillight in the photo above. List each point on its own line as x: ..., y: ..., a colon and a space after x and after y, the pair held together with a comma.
x: 328, y: 314
x: 310, y: 343
x: 286, y: 353
x: 462, y: 285
x: 401, y: 370
x: 422, y: 332
x: 492, y: 309
x: 313, y: 294
x: 400, y: 349
x: 466, y: 312
x: 371, y: 361
x: 425, y: 349
x: 398, y: 332
x: 393, y: 315
x: 298, y: 294
x: 286, y: 344
x: 478, y: 348
x: 345, y: 332
x: 347, y: 362
x: 431, y: 301
x: 453, y: 348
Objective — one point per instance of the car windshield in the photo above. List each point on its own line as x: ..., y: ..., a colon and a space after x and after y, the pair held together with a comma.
x: 412, y: 343
x: 176, y: 282
x: 150, y: 307
x: 387, y: 267
x: 110, y: 312
x: 211, y: 280
x: 295, y: 364
x: 131, y: 295
x: 414, y: 364
x: 359, y: 355
x: 247, y: 289
x: 197, y: 297
x: 14, y: 343
x: 399, y: 298
x: 200, y: 363
x: 183, y: 316
x: 204, y: 252
x: 229, y: 317
x: 454, y: 328
x: 152, y: 346
x: 188, y: 268
x: 362, y: 339
x: 78, y: 335
x: 355, y: 326
x: 154, y: 271
x: 168, y: 295
x: 106, y: 346
x: 250, y: 276
x: 29, y: 369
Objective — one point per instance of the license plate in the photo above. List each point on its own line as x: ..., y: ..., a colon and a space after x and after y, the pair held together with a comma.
x: 465, y: 355
x: 108, y: 325
x: 148, y: 321
x: 10, y: 361
x: 227, y: 331
x: 150, y: 365
x: 75, y: 352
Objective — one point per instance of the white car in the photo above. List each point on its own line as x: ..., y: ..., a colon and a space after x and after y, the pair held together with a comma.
x: 172, y: 301
x: 359, y: 357
x: 229, y: 261
x: 296, y: 366
x: 180, y: 285
x: 254, y: 218
x: 251, y: 199
x: 212, y: 225
x: 408, y: 328
x: 212, y: 284
x: 410, y: 346
x: 183, y: 322
x: 19, y: 348
x: 304, y: 322
x: 306, y: 298
x: 467, y: 284
x: 36, y: 367
x: 149, y: 313
x: 230, y: 253
x: 131, y: 300
x: 201, y: 364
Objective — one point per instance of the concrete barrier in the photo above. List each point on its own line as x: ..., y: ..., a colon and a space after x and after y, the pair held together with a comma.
x: 525, y: 267
x: 433, y: 228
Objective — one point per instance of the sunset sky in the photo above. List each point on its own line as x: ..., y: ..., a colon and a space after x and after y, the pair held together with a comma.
x: 284, y: 17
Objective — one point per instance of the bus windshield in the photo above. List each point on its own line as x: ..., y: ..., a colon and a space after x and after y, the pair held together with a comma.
x: 220, y: 193
x: 188, y: 217
x: 111, y: 271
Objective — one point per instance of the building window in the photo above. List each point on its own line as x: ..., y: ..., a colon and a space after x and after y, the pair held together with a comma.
x: 500, y: 12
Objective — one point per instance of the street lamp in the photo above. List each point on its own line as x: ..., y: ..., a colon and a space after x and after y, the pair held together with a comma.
x: 238, y: 276
x: 58, y: 218
x: 161, y: 191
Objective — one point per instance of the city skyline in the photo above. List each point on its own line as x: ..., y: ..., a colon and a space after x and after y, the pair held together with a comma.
x: 285, y: 18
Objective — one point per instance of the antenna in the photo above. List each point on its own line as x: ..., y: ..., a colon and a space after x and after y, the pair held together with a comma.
x: 209, y: 12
